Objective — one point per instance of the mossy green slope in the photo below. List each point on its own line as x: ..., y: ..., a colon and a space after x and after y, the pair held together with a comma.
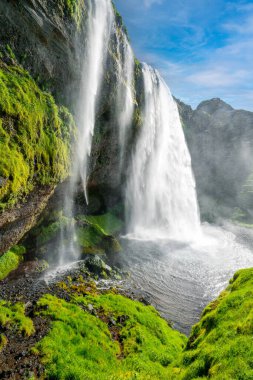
x: 221, y: 344
x: 125, y: 340
x: 35, y: 136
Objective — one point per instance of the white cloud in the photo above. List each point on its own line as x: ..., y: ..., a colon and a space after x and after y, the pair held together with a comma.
x: 193, y: 63
x: 149, y: 3
x: 245, y: 27
x: 217, y: 78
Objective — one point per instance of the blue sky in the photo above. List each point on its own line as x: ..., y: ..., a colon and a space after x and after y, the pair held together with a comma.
x: 203, y: 48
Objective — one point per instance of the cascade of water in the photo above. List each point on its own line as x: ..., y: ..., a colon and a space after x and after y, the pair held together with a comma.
x: 160, y: 197
x: 100, y: 23
x: 125, y: 91
x: 99, y: 28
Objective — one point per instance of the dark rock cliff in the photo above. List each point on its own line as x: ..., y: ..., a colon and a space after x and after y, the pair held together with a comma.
x: 220, y: 140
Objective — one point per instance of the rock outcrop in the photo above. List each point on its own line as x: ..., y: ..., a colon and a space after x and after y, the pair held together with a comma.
x: 220, y: 140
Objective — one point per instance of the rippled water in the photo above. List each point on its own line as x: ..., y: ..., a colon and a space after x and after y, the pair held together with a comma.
x: 180, y: 279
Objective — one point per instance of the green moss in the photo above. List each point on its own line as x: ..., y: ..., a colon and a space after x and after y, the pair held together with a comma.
x: 80, y: 345
x: 74, y: 9
x: 143, y: 331
x: 138, y: 120
x: 10, y: 52
x: 49, y: 232
x: 119, y: 21
x: 221, y: 344
x: 3, y: 342
x: 10, y: 261
x: 95, y: 235
x: 12, y: 317
x: 89, y: 238
x: 108, y: 223
x: 35, y: 136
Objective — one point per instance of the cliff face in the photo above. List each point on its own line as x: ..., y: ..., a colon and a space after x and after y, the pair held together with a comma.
x: 220, y: 140
x: 44, y: 36
x: 37, y: 36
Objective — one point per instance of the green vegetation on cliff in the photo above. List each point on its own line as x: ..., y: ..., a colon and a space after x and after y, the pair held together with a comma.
x: 74, y: 9
x: 10, y: 261
x: 35, y: 136
x: 95, y: 234
x: 221, y: 344
x: 125, y: 340
x: 108, y: 222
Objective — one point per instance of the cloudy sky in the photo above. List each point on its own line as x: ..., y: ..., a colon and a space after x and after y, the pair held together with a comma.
x: 203, y: 48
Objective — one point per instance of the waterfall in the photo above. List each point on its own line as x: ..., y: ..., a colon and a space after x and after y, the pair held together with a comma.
x: 125, y: 91
x: 160, y: 197
x: 100, y: 20
x: 160, y: 190
x: 100, y: 23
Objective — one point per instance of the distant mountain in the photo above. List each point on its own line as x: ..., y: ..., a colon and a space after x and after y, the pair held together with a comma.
x: 220, y: 140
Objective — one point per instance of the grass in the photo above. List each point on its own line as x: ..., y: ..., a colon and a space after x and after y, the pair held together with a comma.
x: 149, y: 344
x: 12, y: 317
x: 10, y: 261
x: 83, y: 346
x: 35, y: 136
x: 110, y: 337
x: 221, y: 344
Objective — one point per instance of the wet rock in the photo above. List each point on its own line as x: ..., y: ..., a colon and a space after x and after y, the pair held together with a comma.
x: 96, y: 265
x: 90, y: 307
x: 28, y: 305
x: 14, y: 223
x: 112, y: 322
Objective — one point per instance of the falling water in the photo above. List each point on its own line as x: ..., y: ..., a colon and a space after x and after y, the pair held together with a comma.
x: 99, y: 28
x: 125, y: 91
x: 161, y: 197
x: 100, y: 22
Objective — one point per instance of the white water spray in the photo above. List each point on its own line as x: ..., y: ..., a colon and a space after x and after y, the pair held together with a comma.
x: 161, y: 197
